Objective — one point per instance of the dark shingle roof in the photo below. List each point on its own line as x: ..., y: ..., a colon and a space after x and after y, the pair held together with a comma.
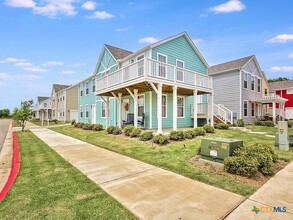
x: 58, y: 87
x: 42, y: 98
x: 118, y: 53
x: 281, y: 85
x: 231, y: 65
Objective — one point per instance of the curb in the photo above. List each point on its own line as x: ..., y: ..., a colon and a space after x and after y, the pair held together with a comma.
x: 14, y: 167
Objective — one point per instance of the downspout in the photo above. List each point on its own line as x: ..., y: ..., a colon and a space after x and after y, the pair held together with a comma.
x: 240, y: 94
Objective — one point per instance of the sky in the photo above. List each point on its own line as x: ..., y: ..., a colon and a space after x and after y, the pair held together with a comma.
x: 59, y: 41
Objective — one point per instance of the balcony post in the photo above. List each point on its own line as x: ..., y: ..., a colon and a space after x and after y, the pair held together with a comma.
x: 159, y: 108
x: 119, y: 109
x: 107, y: 111
x: 274, y: 112
x: 135, y: 91
x: 211, y: 108
x: 151, y: 110
x: 175, y: 108
x: 145, y: 67
x: 195, y: 108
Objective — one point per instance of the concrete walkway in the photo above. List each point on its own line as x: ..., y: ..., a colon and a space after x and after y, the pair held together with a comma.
x: 147, y: 191
x: 277, y: 192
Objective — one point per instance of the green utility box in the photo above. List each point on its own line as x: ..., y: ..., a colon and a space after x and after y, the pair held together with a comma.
x: 217, y: 149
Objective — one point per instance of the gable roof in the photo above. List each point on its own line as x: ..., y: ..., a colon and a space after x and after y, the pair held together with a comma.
x: 59, y: 87
x: 42, y: 98
x: 229, y: 66
x: 118, y: 53
x: 281, y: 85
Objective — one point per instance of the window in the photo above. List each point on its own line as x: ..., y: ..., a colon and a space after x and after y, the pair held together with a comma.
x: 290, y: 91
x: 252, y: 83
x: 252, y: 109
x: 81, y: 113
x: 86, y: 88
x: 140, y: 65
x: 45, y: 105
x: 266, y: 92
x: 180, y: 107
x: 87, y: 111
x: 258, y: 85
x: 140, y: 103
x: 104, y: 110
x: 63, y: 112
x: 94, y: 84
x: 63, y: 98
x: 245, y: 108
x: 53, y: 113
x: 179, y: 70
x: 245, y: 78
x: 81, y: 90
x: 162, y: 65
x: 164, y: 106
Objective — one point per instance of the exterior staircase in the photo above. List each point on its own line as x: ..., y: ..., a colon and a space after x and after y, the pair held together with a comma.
x: 222, y: 114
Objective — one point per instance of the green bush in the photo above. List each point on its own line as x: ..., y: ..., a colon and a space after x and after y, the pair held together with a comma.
x: 110, y: 129
x: 80, y: 125
x: 87, y: 126
x: 269, y: 123
x: 146, y: 136
x: 176, y: 135
x: 76, y: 125
x: 128, y: 129
x: 199, y: 132
x: 55, y: 121
x: 160, y: 139
x: 240, y: 123
x: 222, y: 126
x: 117, y: 130
x: 208, y: 128
x: 135, y: 132
x: 258, y: 123
x: 97, y: 127
x: 241, y: 165
x: 189, y: 134
x: 290, y: 123
x: 73, y: 122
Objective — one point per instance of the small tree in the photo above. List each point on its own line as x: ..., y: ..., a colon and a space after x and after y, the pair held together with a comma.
x: 4, y: 113
x: 22, y: 115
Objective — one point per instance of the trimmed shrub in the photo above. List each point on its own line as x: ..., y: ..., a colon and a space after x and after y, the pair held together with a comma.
x: 135, y: 132
x: 199, y: 132
x: 269, y: 123
x: 128, y: 129
x: 97, y: 127
x: 55, y: 121
x: 110, y: 129
x: 73, y: 122
x: 240, y: 165
x: 80, y: 125
x: 222, y: 126
x: 208, y: 128
x: 87, y: 126
x: 146, y: 136
x: 176, y: 135
x: 258, y: 123
x: 117, y: 130
x: 290, y: 123
x: 76, y: 125
x: 189, y: 134
x: 240, y: 123
x: 160, y: 139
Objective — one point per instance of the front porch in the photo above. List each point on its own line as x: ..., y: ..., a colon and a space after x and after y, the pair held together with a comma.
x: 159, y: 80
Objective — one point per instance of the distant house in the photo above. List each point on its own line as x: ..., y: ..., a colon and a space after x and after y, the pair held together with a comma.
x: 284, y: 89
x: 163, y: 85
x: 43, y: 109
x: 240, y: 86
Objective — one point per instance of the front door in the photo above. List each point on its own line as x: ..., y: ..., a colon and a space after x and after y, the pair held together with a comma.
x: 125, y: 109
x: 94, y: 114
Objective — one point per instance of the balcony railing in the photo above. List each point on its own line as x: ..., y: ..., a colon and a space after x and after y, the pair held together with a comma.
x: 149, y: 68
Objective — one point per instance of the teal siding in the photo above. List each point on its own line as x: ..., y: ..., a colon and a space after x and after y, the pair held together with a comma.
x: 106, y: 62
x: 179, y: 48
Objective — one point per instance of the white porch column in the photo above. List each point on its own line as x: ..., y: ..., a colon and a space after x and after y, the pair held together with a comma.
x: 47, y: 116
x: 174, y: 107
x: 195, y: 108
x: 151, y: 109
x: 274, y: 112
x: 119, y: 109
x: 135, y: 91
x: 284, y: 113
x: 159, y: 107
x: 42, y: 118
x: 107, y: 111
x: 211, y: 109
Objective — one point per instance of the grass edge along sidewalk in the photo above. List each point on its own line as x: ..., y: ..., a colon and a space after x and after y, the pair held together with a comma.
x: 47, y: 186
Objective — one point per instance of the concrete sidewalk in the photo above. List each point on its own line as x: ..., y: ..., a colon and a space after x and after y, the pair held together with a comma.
x: 277, y: 192
x: 147, y: 191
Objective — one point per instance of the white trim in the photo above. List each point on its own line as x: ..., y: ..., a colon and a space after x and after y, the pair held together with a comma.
x: 244, y: 80
x: 86, y: 106
x: 251, y: 76
x: 252, y: 116
x: 182, y: 69
x: 260, y: 79
x: 151, y: 110
x: 240, y: 94
x: 244, y: 108
x: 94, y: 121
x: 93, y: 79
x: 166, y: 68
x: 141, y: 94
x: 175, y: 108
x: 80, y: 110
x: 166, y: 105
x: 180, y: 96
x: 88, y: 88
x: 102, y: 102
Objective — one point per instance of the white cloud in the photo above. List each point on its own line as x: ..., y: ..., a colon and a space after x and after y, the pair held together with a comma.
x: 282, y: 38
x: 100, y: 15
x: 230, y: 6
x: 36, y: 69
x: 89, y: 5
x: 148, y: 40
x: 20, y: 3
x: 67, y: 72
x: 77, y: 64
x: 290, y: 55
x: 5, y: 76
x: 53, y: 8
x: 23, y: 64
x: 123, y: 29
x: 53, y: 63
x: 12, y: 60
x: 287, y: 69
x: 197, y: 40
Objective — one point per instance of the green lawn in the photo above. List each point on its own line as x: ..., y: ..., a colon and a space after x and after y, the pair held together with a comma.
x: 174, y: 157
x: 268, y: 130
x: 48, y: 187
x: 39, y: 123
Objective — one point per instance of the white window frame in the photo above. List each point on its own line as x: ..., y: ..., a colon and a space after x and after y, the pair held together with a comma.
x: 87, y: 88
x: 245, y: 74
x: 93, y: 84
x: 87, y: 111
x: 81, y: 90
x: 252, y: 104
x: 259, y: 85
x: 103, y: 103
x: 181, y: 69
x: 252, y: 82
x: 143, y: 103
x: 245, y: 101
x: 183, y: 97
x: 166, y: 106
x: 166, y: 68
x: 289, y: 91
x: 140, y: 64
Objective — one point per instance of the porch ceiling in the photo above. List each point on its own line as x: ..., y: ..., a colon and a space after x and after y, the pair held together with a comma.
x: 270, y: 100
x: 146, y: 87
